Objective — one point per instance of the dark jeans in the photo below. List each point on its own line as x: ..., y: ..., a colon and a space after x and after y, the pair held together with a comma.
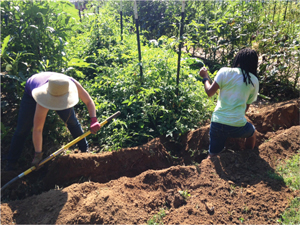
x: 218, y: 134
x: 25, y: 124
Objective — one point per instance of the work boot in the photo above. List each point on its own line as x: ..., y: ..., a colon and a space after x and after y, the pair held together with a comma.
x: 38, y: 156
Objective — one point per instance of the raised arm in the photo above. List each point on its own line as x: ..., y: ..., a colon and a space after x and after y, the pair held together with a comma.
x: 210, y: 89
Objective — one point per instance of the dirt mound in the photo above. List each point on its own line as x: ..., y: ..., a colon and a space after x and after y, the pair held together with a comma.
x: 133, y: 185
x: 277, y: 116
x: 108, y: 166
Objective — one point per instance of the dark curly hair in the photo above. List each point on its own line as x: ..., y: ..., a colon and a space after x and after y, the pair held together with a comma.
x: 247, y: 60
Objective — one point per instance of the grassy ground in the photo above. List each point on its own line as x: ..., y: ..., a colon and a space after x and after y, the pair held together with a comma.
x: 289, y: 170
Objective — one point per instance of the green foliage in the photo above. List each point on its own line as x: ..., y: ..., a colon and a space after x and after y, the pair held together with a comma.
x: 3, y: 131
x: 290, y: 172
x: 221, y: 29
x: 150, y: 108
x: 156, y: 18
x: 149, y: 105
x: 158, y: 218
x: 292, y: 214
x: 185, y: 194
x: 40, y: 28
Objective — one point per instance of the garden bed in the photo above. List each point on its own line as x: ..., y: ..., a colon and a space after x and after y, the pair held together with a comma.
x: 146, y: 184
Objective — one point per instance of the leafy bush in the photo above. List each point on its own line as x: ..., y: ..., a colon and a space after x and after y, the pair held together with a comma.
x: 156, y: 18
x: 40, y: 28
x: 149, y: 105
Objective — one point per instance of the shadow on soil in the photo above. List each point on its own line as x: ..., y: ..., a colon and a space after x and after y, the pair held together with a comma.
x: 246, y: 168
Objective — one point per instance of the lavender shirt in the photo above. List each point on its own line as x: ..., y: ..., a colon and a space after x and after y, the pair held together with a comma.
x: 38, y: 80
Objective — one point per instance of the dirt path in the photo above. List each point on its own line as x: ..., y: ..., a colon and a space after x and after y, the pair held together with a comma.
x: 133, y: 185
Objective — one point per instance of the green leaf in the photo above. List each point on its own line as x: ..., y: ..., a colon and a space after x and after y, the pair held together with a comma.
x: 78, y: 62
x: 12, y: 77
x: 4, y: 45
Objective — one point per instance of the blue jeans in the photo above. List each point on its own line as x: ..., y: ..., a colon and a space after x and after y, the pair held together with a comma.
x: 219, y: 133
x: 25, y: 124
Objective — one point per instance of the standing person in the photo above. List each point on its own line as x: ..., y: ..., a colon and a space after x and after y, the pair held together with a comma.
x: 44, y: 91
x: 238, y: 89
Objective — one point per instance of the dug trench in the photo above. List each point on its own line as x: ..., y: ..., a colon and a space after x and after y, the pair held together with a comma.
x: 133, y: 185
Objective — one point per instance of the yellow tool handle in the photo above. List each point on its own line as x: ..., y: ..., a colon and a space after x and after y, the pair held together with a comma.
x: 59, y: 151
x: 54, y: 154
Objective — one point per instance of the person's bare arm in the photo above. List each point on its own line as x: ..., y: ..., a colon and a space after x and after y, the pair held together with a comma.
x: 38, y: 125
x: 86, y: 98
x: 88, y: 101
x: 210, y: 89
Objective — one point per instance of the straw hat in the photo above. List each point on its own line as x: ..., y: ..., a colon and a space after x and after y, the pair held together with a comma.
x: 58, y: 93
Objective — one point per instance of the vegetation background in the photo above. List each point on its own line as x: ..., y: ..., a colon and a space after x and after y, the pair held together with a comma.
x: 98, y: 47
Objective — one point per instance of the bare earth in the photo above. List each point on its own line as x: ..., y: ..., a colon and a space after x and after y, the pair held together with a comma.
x: 132, y: 185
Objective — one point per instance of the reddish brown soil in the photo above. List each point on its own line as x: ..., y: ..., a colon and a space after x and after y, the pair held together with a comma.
x: 132, y: 185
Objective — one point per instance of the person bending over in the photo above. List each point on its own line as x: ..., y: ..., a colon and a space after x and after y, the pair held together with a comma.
x: 238, y: 89
x: 44, y: 91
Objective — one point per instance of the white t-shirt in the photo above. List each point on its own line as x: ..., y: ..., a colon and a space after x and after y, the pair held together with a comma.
x: 234, y: 96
